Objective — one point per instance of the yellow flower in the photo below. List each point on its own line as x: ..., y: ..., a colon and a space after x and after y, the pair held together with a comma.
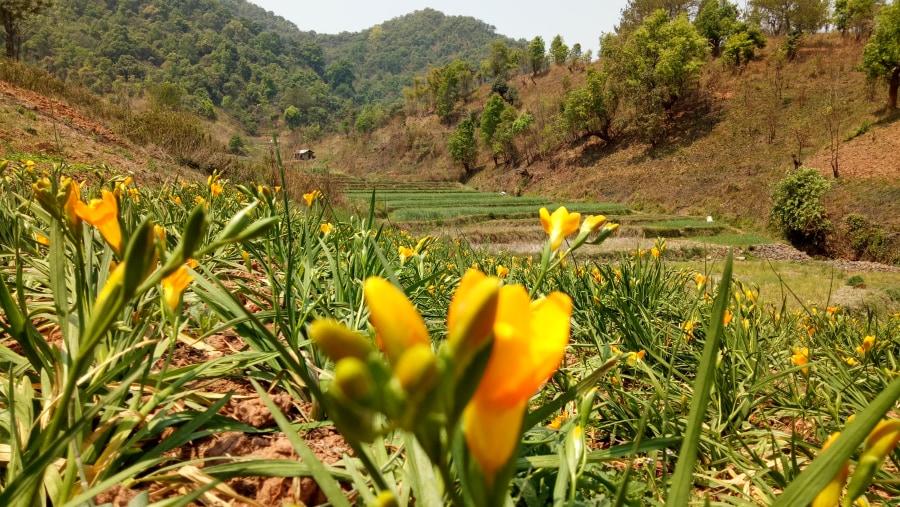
x: 557, y: 421
x: 595, y: 273
x: 398, y: 325
x: 501, y: 271
x: 326, y: 227
x: 688, y: 327
x: 192, y: 263
x: 635, y: 357
x: 592, y: 223
x: 215, y: 189
x: 726, y: 319
x: 867, y: 344
x: 559, y: 225
x: 530, y: 339
x: 701, y: 280
x: 199, y: 200
x: 103, y: 214
x: 174, y: 285
x: 654, y: 252
x: 800, y: 358
x: 831, y: 493
x: 40, y: 238
x: 176, y: 199
x: 850, y: 361
x: 310, y: 197
x: 405, y: 253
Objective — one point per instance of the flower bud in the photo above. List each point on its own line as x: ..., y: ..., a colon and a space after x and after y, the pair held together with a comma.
x: 417, y: 369
x: 353, y: 381
x: 338, y: 342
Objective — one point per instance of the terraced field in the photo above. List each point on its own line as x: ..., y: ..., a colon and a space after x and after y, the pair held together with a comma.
x: 504, y: 222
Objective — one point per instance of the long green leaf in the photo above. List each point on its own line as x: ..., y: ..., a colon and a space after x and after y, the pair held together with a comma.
x: 683, y: 478
x: 614, y: 452
x: 808, y: 484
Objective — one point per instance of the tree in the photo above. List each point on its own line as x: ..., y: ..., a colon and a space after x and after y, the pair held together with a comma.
x: 589, y: 110
x: 881, y: 56
x: 490, y: 117
x: 716, y: 21
x: 293, y: 117
x: 500, y: 59
x: 740, y: 47
x: 559, y: 51
x: 462, y: 144
x: 340, y: 75
x: 13, y: 13
x: 857, y: 16
x: 798, y: 211
x: 785, y: 16
x: 653, y: 66
x: 636, y: 11
x: 236, y: 145
x: 537, y: 55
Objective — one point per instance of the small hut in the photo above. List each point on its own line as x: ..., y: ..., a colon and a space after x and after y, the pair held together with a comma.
x: 304, y: 154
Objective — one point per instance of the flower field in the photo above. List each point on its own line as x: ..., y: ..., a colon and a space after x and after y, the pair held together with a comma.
x: 141, y: 329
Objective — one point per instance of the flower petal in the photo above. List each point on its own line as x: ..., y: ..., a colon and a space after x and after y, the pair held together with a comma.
x: 398, y: 325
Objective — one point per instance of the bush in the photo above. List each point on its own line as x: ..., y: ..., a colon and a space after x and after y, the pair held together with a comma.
x: 866, y: 240
x: 236, y: 145
x: 798, y: 211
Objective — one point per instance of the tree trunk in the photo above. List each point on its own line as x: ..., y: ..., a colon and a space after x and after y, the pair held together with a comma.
x: 892, y: 89
x: 11, y: 35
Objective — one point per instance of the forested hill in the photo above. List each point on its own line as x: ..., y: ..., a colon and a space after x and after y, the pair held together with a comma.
x: 231, y: 56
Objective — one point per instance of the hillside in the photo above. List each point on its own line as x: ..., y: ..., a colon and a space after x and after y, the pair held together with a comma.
x: 231, y: 58
x: 734, y: 137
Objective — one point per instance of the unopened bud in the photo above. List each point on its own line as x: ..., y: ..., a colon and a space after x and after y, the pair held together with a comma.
x: 338, y: 342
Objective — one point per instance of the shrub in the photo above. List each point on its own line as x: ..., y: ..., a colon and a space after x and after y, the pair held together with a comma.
x: 866, y: 240
x: 798, y: 211
x: 236, y: 145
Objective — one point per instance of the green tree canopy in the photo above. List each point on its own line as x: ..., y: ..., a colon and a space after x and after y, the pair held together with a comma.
x: 881, y: 56
x: 636, y: 11
x: 590, y: 110
x: 462, y: 144
x: 716, y: 20
x: 856, y: 16
x: 558, y: 50
x: 785, y: 16
x: 490, y: 117
x: 537, y: 54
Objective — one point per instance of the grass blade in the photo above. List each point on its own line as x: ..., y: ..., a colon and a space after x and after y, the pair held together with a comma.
x: 682, y: 479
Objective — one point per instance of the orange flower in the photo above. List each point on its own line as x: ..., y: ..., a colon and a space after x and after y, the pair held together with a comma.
x: 326, y: 228
x: 310, y: 197
x: 103, y: 214
x: 800, y: 358
x: 867, y: 344
x: 559, y: 225
x: 40, y: 238
x: 405, y: 253
x: 530, y: 339
x: 174, y: 285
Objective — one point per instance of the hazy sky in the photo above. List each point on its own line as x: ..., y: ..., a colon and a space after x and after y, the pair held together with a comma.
x: 581, y: 22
